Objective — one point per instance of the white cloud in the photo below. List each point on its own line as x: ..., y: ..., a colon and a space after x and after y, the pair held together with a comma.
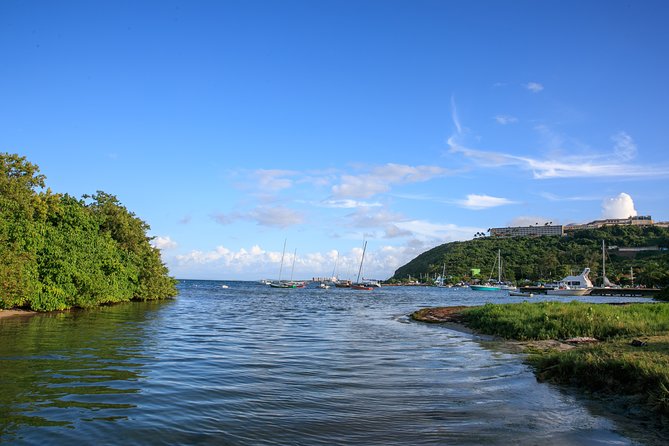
x: 534, y: 87
x: 381, y: 178
x: 624, y: 146
x: 256, y: 263
x: 478, y: 202
x: 505, y: 119
x: 165, y: 242
x: 621, y: 206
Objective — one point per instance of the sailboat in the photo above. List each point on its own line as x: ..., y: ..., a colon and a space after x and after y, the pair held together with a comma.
x: 360, y: 285
x: 440, y: 280
x: 282, y: 283
x: 489, y: 286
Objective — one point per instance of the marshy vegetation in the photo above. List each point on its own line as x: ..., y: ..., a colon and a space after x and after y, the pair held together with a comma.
x: 631, y: 359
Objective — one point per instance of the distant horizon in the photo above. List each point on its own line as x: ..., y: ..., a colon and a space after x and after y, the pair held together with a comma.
x: 230, y: 127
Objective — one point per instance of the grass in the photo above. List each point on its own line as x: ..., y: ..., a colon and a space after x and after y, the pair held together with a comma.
x: 614, y: 366
x: 555, y: 320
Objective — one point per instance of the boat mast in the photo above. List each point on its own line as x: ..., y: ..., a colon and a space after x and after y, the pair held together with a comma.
x: 499, y: 266
x: 364, y: 248
x: 282, y: 255
x: 603, y: 264
x: 293, y: 268
x: 335, y: 265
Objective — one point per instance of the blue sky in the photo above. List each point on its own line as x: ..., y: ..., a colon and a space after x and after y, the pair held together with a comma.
x: 232, y: 126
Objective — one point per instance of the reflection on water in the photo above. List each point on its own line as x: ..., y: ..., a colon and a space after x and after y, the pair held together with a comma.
x: 254, y: 365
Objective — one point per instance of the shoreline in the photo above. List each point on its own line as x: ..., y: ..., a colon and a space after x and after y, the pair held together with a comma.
x: 451, y: 318
x: 628, y: 363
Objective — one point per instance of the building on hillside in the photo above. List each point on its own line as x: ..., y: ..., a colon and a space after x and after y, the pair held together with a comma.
x: 527, y: 231
x: 639, y: 220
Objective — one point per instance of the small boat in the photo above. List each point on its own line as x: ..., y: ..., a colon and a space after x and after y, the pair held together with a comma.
x: 485, y: 287
x: 323, y: 286
x: 489, y: 285
x: 282, y: 284
x: 343, y: 284
x: 224, y: 286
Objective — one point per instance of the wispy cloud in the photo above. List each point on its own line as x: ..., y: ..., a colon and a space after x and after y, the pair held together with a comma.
x: 271, y: 180
x: 506, y: 119
x: 572, y: 166
x: 438, y: 232
x: 624, y: 146
x: 553, y: 197
x: 455, y: 117
x: 272, y: 216
x: 478, y: 202
x: 348, y: 204
x: 381, y: 178
x: 534, y: 87
x: 368, y: 218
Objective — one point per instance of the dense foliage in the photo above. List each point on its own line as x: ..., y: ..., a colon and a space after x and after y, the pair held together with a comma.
x: 59, y: 252
x: 546, y: 258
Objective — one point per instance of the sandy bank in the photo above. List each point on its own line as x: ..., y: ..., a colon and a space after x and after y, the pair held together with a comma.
x: 452, y: 318
x: 11, y: 313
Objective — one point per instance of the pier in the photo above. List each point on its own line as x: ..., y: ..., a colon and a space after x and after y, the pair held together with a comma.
x: 600, y: 291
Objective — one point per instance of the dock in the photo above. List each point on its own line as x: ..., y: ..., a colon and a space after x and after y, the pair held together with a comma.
x: 599, y: 291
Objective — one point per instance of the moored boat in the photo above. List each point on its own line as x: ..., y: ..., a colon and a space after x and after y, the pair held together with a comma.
x: 485, y: 287
x: 358, y: 285
x: 573, y: 285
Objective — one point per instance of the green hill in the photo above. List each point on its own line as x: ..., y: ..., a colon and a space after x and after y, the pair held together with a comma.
x: 551, y: 258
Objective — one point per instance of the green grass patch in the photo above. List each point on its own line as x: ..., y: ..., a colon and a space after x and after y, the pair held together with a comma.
x: 614, y: 367
x: 555, y: 320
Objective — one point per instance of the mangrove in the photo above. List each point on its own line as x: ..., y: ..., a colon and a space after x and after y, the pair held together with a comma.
x: 59, y: 252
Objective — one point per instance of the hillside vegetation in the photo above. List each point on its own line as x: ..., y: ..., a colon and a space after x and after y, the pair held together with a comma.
x: 59, y: 252
x: 550, y: 258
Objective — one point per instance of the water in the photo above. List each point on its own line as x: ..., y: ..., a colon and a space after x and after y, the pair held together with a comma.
x: 251, y: 365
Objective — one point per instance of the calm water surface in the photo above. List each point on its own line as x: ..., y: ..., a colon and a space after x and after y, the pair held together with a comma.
x: 251, y: 365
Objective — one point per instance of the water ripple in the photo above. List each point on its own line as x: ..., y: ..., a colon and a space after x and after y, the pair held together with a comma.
x: 251, y: 365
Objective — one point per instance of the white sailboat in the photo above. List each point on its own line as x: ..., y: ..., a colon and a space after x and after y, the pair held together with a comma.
x: 281, y: 283
x: 606, y: 283
x: 361, y: 285
x: 489, y: 286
